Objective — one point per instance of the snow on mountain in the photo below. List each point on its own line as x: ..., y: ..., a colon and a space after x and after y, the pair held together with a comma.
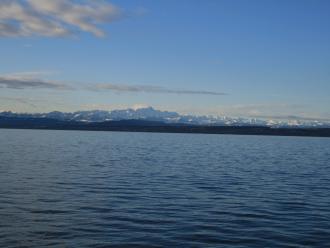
x: 149, y: 113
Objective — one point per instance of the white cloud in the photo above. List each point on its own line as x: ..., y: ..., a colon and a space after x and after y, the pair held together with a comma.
x: 54, y: 18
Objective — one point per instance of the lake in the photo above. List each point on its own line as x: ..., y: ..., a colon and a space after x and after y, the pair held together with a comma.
x: 117, y: 189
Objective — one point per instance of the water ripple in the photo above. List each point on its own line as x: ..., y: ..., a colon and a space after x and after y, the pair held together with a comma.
x: 103, y: 189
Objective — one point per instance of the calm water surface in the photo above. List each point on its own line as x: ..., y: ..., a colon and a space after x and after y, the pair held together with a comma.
x: 105, y: 189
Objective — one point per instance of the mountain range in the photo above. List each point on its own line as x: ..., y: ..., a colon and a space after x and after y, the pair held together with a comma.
x: 151, y: 114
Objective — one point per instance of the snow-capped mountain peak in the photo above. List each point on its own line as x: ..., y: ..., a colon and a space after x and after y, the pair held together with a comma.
x: 149, y: 113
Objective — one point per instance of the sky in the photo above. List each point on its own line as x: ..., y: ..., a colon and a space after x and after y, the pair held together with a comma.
x: 257, y: 58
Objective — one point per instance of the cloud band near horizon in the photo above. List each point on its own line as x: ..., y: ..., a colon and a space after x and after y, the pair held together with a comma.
x: 22, y: 81
x: 151, y: 89
x: 26, y: 82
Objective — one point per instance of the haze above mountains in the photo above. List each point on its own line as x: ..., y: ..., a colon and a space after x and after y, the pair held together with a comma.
x: 151, y: 114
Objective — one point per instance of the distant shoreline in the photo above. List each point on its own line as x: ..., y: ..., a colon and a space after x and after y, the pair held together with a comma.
x: 157, y: 127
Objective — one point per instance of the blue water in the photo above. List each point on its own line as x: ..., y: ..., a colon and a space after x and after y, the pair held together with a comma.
x: 107, y: 189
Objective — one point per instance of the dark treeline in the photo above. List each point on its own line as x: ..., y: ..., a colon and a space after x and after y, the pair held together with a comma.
x: 152, y: 126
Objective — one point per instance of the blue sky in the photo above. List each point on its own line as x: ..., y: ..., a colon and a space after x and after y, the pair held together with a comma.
x: 269, y: 58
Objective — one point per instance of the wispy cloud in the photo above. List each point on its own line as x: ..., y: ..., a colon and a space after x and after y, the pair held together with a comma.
x: 151, y: 89
x: 55, y: 18
x: 22, y: 100
x: 274, y: 110
x: 292, y: 117
x: 25, y: 81
x: 34, y: 80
